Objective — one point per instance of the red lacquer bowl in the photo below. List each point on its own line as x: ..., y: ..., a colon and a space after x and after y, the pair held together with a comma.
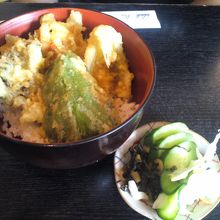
x: 90, y: 150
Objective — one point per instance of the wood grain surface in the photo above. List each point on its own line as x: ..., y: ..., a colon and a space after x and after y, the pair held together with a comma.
x: 187, y: 56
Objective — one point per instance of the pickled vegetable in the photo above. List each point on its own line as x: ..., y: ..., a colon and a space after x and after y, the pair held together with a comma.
x: 167, y: 185
x: 179, y: 157
x: 168, y: 206
x: 164, y: 131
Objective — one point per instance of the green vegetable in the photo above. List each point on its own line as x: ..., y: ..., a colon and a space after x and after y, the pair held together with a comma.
x: 171, y: 141
x: 179, y: 157
x: 76, y: 107
x: 174, y: 140
x: 164, y: 131
x: 167, y: 185
x: 168, y: 207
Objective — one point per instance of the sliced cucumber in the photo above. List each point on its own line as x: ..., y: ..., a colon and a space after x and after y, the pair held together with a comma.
x: 173, y: 140
x: 179, y: 157
x: 167, y: 185
x: 194, y: 149
x: 164, y: 131
x: 168, y: 207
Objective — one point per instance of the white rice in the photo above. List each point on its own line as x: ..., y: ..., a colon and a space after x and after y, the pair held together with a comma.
x: 12, y: 127
x: 33, y: 132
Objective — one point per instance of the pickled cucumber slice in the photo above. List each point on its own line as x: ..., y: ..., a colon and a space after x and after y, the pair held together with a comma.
x: 167, y: 206
x: 164, y: 131
x: 167, y: 185
x: 172, y: 141
x: 179, y: 157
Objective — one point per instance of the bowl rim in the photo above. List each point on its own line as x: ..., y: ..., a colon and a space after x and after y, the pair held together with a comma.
x: 95, y: 137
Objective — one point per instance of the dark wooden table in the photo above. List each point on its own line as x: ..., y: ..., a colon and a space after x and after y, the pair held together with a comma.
x: 187, y: 55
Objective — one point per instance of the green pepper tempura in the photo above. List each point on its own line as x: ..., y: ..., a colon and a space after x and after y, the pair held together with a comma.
x: 76, y: 107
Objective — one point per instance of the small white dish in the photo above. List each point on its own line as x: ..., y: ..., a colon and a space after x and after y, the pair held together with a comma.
x: 122, y: 156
